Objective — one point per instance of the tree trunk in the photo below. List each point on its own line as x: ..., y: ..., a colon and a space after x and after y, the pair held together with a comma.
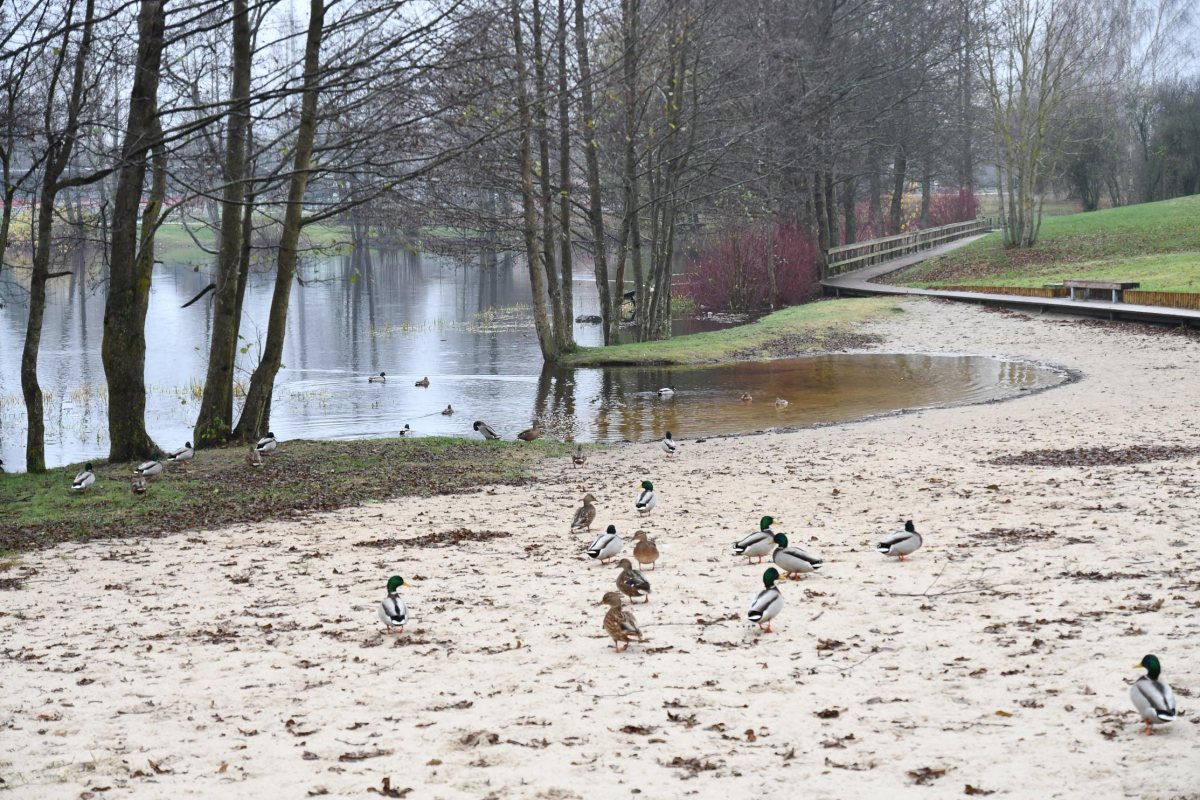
x: 595, y: 203
x: 926, y: 192
x: 123, y: 350
x: 541, y: 318
x: 849, y: 210
x: 631, y: 230
x: 549, y: 251
x: 58, y: 155
x: 831, y: 209
x: 247, y: 234
x: 215, y: 420
x: 256, y: 413
x: 899, y: 175
x: 567, y: 339
x: 875, y: 188
x: 818, y: 195
x: 771, y: 264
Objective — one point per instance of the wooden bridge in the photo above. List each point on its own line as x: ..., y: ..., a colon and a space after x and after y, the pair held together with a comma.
x: 853, y: 267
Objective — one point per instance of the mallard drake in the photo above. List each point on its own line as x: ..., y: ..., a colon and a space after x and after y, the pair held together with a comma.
x: 646, y: 499
x: 183, y: 454
x: 667, y: 392
x: 578, y: 458
x: 380, y: 378
x: 668, y: 445
x: 423, y: 382
x: 746, y: 398
x: 254, y: 458
x: 392, y: 611
x: 84, y: 480
x: 645, y: 551
x: 585, y: 515
x: 449, y: 412
x: 137, y: 484
x: 767, y: 604
x: 759, y: 543
x: 632, y: 583
x: 780, y: 402
x: 619, y: 622
x: 405, y: 431
x: 1152, y: 698
x: 485, y: 430
x: 792, y: 560
x: 529, y: 434
x: 151, y: 469
x: 267, y: 444
x: 901, y: 543
x: 606, y: 545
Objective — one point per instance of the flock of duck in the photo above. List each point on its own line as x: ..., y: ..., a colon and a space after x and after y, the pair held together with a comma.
x: 1151, y: 696
x: 149, y: 470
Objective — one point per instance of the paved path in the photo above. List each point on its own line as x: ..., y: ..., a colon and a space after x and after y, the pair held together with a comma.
x: 858, y: 283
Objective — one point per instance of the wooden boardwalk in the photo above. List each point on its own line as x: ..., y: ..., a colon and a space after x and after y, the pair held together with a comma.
x: 857, y: 284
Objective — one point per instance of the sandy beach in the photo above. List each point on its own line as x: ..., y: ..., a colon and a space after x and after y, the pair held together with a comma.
x: 249, y: 662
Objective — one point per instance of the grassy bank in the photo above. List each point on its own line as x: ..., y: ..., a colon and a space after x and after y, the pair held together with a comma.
x: 1157, y: 244
x: 811, y: 328
x: 220, y: 489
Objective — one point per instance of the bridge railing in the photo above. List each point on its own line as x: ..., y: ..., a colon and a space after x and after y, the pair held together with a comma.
x: 874, y: 251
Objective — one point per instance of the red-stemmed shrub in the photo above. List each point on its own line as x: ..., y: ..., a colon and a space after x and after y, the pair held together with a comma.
x: 730, y: 270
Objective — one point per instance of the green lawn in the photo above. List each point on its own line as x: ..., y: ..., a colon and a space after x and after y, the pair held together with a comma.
x: 1157, y: 244
x: 220, y: 489
x: 814, y: 327
x: 173, y: 244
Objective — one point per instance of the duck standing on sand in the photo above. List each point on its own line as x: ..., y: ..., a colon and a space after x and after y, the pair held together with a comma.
x: 529, y: 434
x: 392, y: 611
x: 793, y: 560
x: 585, y: 515
x: 423, y: 382
x: 646, y: 499
x: 619, y: 622
x: 901, y: 543
x: 1152, y: 698
x: 578, y: 458
x: 267, y: 444
x: 380, y: 378
x: 645, y: 551
x: 631, y: 582
x: 606, y: 545
x: 757, y: 544
x: 485, y: 430
x: 183, y: 454
x: 150, y: 469
x: 84, y: 480
x: 668, y: 445
x: 767, y: 604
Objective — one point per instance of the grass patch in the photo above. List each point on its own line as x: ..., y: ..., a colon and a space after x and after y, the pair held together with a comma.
x: 810, y: 328
x: 219, y: 489
x: 1157, y: 244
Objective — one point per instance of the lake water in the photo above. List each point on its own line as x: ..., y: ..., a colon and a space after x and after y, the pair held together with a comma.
x: 467, y: 328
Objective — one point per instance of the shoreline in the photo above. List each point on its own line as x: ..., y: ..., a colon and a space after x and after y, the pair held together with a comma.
x: 248, y: 662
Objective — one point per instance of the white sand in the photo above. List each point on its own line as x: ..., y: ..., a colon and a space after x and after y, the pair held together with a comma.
x: 123, y: 653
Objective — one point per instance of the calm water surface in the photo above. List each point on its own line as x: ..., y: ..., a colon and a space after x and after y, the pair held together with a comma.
x: 467, y: 328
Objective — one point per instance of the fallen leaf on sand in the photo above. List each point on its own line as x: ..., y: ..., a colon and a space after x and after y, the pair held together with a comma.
x: 362, y: 755
x: 386, y: 789
x: 926, y: 774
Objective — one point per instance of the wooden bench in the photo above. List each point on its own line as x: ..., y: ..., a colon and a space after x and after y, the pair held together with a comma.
x: 1116, y: 287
